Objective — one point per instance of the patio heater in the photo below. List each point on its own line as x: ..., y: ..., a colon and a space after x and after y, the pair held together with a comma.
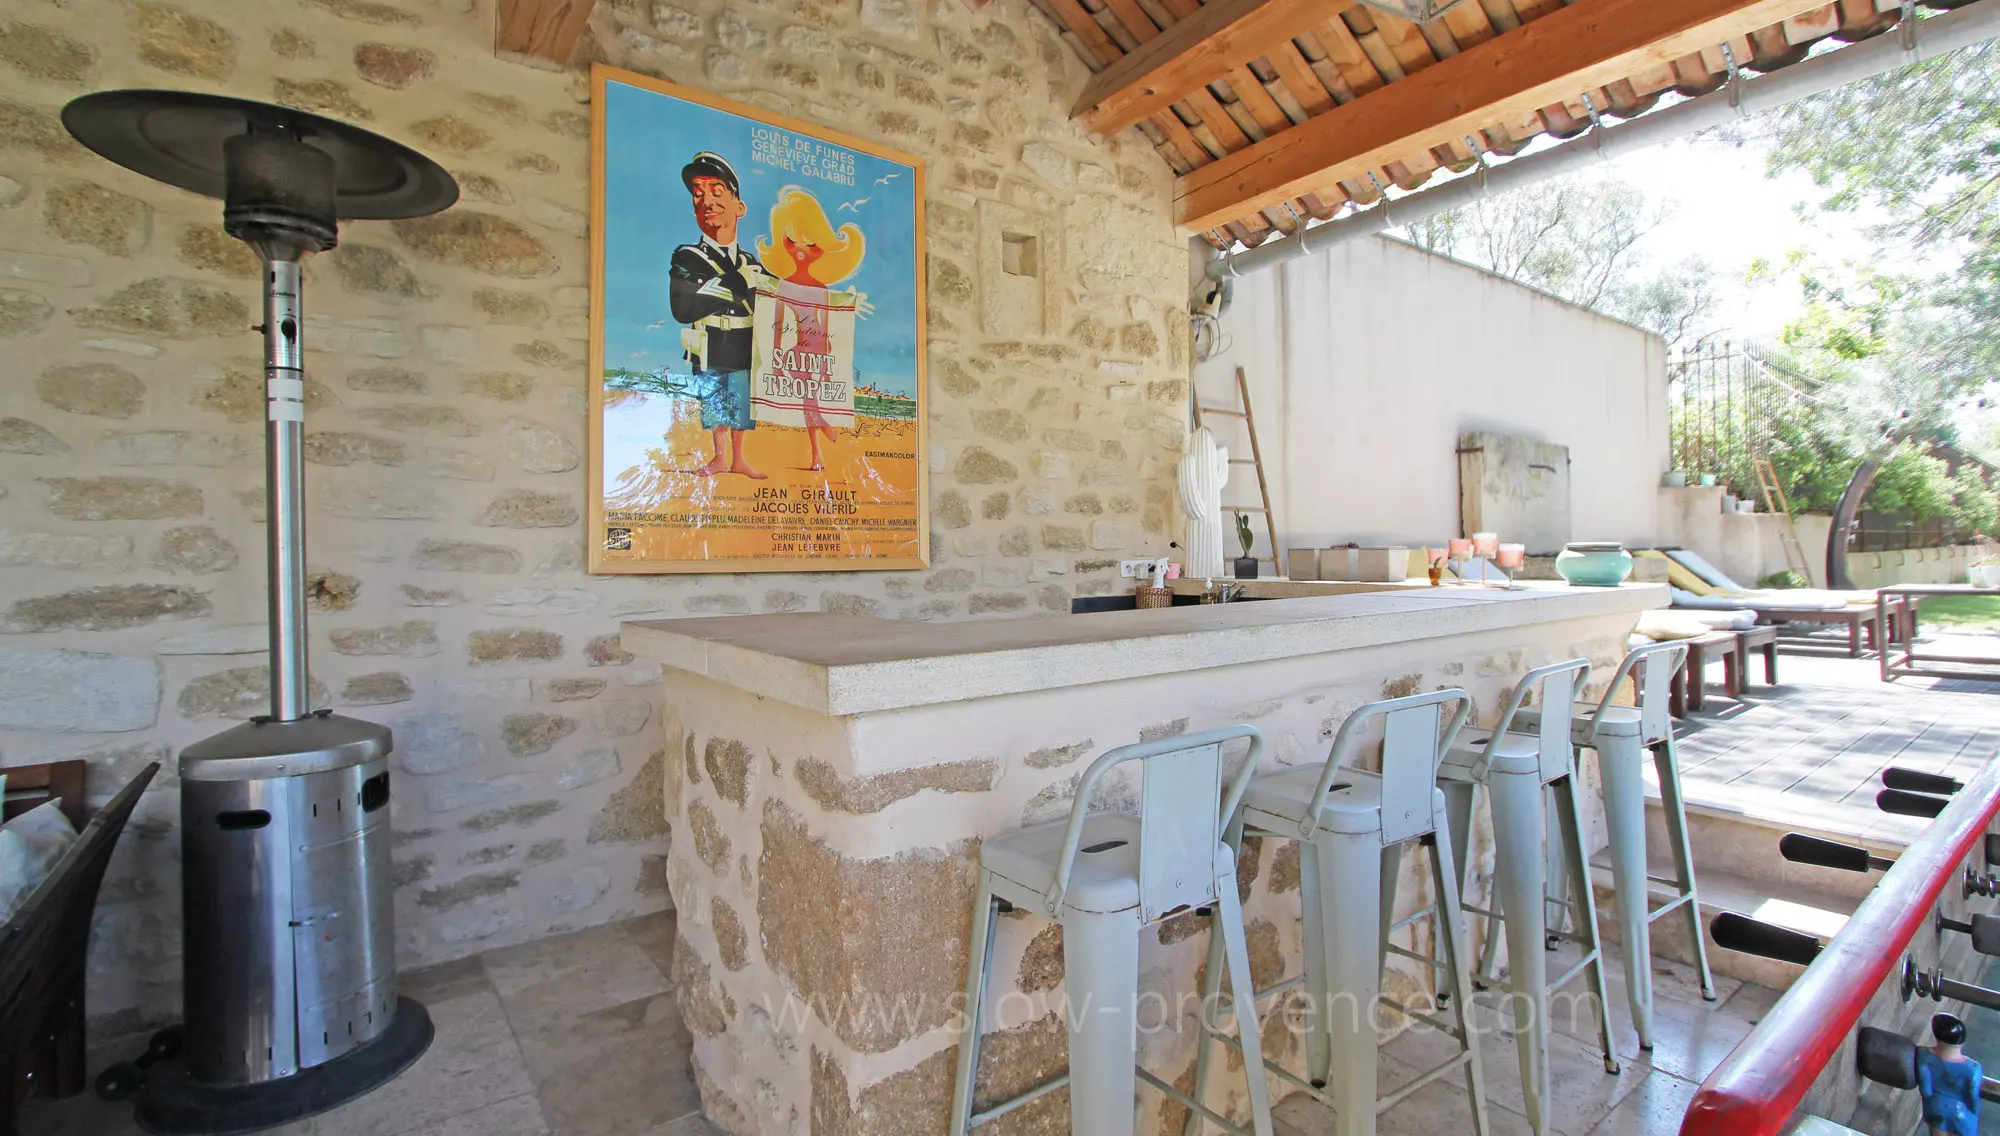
x: 291, y: 1004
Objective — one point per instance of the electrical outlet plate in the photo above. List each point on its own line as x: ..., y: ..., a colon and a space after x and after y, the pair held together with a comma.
x: 1137, y: 569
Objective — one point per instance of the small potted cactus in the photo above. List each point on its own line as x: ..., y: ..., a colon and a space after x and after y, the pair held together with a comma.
x: 1246, y: 564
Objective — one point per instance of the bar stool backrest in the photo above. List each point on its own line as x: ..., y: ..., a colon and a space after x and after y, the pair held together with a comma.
x: 1661, y: 661
x: 1412, y: 749
x: 1183, y: 812
x: 1557, y: 684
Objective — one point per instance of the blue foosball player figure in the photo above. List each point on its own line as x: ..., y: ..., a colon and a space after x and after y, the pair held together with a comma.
x: 1949, y: 1081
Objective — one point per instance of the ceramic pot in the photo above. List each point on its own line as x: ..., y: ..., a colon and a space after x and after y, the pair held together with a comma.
x: 1246, y: 567
x: 1594, y: 564
x: 1708, y: 479
x: 1677, y: 479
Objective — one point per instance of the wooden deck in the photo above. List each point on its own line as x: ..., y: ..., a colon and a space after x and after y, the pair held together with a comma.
x: 1811, y: 750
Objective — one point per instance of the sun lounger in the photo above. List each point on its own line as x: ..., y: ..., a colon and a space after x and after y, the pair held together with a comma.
x: 1700, y: 585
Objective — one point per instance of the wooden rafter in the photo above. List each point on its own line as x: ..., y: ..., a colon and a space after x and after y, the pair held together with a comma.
x: 1191, y: 53
x: 539, y: 32
x: 1545, y: 62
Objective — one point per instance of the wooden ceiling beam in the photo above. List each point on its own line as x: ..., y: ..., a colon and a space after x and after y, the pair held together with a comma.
x: 540, y: 33
x: 1572, y: 49
x: 1219, y: 36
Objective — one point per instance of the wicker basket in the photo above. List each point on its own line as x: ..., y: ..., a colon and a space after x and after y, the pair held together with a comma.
x: 1150, y: 596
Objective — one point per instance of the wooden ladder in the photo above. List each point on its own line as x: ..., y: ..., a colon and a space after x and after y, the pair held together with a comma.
x: 1776, y: 502
x: 1256, y: 459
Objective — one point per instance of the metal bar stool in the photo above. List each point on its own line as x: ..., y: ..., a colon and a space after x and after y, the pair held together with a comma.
x: 1353, y: 826
x: 1521, y: 772
x: 1622, y: 737
x: 1105, y: 877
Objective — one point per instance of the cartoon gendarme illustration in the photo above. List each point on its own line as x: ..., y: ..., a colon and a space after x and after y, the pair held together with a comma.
x: 712, y: 289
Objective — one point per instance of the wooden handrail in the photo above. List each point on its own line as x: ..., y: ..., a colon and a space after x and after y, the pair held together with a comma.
x: 1758, y: 1087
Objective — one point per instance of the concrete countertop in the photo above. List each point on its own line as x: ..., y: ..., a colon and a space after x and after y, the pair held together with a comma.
x: 842, y: 664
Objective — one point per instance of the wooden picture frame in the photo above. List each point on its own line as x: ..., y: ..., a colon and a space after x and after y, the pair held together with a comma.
x: 698, y: 203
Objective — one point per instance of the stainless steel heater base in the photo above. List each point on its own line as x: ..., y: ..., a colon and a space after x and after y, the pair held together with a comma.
x: 174, y: 1104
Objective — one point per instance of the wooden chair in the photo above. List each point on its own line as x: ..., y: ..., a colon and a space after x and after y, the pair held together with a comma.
x: 43, y: 948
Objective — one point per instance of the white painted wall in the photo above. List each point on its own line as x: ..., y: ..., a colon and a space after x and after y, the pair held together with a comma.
x: 1366, y: 362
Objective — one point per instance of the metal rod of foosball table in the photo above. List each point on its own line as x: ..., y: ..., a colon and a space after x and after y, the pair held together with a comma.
x: 1896, y: 777
x: 1935, y: 986
x: 1905, y: 803
x: 1745, y: 935
x: 1802, y: 849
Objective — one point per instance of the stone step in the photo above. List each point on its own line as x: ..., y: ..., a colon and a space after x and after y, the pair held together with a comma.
x: 1744, y: 842
x: 1795, y: 907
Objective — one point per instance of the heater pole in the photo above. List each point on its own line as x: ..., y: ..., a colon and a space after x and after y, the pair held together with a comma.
x: 284, y: 487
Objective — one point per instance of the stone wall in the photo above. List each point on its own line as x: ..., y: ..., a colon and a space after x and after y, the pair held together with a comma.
x: 446, y: 428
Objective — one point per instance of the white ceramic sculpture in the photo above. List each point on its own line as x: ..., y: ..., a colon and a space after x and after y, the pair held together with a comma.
x: 1203, y: 472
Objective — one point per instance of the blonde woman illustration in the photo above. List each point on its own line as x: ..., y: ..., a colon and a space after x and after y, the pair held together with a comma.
x: 807, y: 256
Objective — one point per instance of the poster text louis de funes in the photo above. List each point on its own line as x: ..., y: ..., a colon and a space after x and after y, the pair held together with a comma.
x: 797, y: 154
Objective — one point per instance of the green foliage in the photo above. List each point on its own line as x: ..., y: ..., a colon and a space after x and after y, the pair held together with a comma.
x: 1785, y: 579
x: 1912, y: 484
x: 1243, y: 536
x: 1575, y: 237
x: 1920, y: 147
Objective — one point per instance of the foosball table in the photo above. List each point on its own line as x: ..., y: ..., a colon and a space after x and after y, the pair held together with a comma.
x: 1854, y: 1044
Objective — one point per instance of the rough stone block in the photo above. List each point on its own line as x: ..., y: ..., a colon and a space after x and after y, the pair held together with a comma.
x: 637, y: 812
x: 179, y: 41
x: 415, y: 638
x: 848, y: 932
x: 237, y: 693
x: 588, y: 768
x: 121, y: 498
x: 436, y: 742
x: 874, y: 793
x: 111, y: 551
x: 85, y: 213
x: 193, y: 550
x: 467, y: 794
x: 379, y: 689
x: 100, y: 389
x: 528, y: 645
x: 623, y: 718
x: 71, y: 691
x: 529, y: 509
x: 532, y: 603
x: 105, y: 608
x: 530, y: 734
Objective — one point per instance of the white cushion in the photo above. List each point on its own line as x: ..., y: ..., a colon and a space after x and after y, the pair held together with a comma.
x: 1723, y: 620
x: 30, y: 846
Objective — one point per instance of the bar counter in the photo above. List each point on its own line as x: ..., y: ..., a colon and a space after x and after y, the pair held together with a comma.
x: 830, y: 778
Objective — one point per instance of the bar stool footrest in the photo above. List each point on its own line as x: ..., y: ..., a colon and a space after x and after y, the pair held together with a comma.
x: 1416, y: 956
x: 1173, y: 1093
x: 1438, y: 1024
x: 1029, y: 1097
x: 1670, y: 905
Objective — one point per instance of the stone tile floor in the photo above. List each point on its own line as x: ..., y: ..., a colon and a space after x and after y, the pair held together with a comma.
x: 577, y: 1035
x: 1645, y: 1098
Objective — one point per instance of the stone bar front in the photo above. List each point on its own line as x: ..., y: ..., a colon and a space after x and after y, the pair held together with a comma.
x: 831, y: 777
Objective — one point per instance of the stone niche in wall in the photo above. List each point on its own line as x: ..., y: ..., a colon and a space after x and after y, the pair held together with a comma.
x: 1017, y: 252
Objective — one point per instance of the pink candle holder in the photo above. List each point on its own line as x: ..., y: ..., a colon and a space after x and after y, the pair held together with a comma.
x: 1510, y: 555
x: 1436, y: 555
x: 1486, y: 543
x: 1460, y: 546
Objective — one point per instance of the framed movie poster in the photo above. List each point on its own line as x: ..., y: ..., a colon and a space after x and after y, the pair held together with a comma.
x: 757, y: 340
